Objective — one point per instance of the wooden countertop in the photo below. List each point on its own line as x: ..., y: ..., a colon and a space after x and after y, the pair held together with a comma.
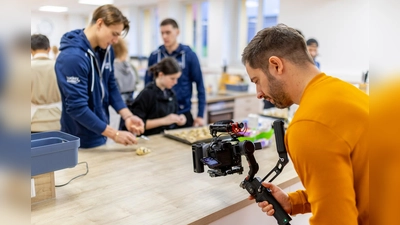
x: 158, y: 188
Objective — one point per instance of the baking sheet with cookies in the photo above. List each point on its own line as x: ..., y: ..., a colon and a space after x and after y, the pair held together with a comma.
x: 190, y: 135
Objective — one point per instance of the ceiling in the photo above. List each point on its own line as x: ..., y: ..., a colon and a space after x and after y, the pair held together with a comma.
x: 75, y: 7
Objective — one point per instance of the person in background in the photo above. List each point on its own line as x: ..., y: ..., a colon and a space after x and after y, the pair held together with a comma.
x: 55, y: 51
x: 191, y: 72
x: 45, y: 95
x: 157, y: 104
x: 328, y: 147
x: 85, y: 75
x: 125, y: 74
x: 312, y: 46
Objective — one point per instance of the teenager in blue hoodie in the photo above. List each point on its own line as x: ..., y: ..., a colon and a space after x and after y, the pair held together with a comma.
x: 191, y: 72
x: 86, y: 80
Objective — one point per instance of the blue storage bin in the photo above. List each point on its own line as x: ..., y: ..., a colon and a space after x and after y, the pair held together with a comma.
x: 51, y: 151
x: 237, y: 87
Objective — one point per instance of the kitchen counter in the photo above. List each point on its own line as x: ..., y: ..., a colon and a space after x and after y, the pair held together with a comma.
x: 158, y: 188
x: 224, y: 96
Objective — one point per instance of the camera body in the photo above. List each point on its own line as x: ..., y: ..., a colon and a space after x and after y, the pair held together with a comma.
x: 223, y: 155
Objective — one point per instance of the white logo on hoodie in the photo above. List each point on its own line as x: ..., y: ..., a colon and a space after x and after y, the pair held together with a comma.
x: 107, y: 66
x: 73, y: 80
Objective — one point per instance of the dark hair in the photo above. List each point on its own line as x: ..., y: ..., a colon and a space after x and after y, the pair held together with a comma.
x: 169, y: 21
x: 111, y: 15
x: 299, y: 32
x: 120, y: 48
x: 39, y: 41
x: 167, y: 66
x: 312, y: 41
x: 281, y: 41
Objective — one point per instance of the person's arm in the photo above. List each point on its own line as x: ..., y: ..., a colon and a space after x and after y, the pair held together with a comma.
x: 149, y: 76
x: 133, y: 123
x: 165, y: 121
x: 72, y: 77
x: 201, y: 93
x: 322, y: 161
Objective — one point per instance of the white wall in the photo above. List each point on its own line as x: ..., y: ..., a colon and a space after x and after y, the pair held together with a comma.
x: 61, y: 23
x: 341, y: 28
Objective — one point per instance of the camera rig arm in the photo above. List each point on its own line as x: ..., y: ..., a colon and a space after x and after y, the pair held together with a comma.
x: 253, y: 184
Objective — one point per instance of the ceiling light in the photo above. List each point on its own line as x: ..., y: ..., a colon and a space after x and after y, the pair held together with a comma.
x: 49, y: 8
x: 251, y: 4
x: 96, y: 2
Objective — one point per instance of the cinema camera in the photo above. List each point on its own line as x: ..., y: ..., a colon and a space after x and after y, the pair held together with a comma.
x: 223, y: 156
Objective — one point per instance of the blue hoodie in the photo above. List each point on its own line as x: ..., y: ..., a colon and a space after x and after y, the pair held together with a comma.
x: 191, y: 72
x: 87, y: 85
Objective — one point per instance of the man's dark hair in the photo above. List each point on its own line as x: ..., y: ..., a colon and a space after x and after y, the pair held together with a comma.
x: 300, y: 32
x: 280, y: 41
x: 169, y: 21
x: 39, y: 41
x: 312, y: 41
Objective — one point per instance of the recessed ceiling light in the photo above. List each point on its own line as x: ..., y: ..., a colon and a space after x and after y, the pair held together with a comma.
x: 49, y: 8
x: 96, y: 2
x: 251, y: 4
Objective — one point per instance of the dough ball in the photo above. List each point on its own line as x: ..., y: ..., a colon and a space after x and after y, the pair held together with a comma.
x: 142, y: 151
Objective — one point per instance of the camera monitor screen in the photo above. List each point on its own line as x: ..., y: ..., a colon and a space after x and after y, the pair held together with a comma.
x: 210, y: 162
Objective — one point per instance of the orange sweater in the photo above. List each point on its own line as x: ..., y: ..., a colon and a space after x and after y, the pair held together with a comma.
x: 327, y: 142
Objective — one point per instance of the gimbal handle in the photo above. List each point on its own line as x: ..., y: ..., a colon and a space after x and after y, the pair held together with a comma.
x: 253, y: 184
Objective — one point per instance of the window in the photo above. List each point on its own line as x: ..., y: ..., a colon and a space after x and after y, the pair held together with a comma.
x: 199, y: 16
x: 204, y: 25
x: 251, y: 11
x: 270, y: 12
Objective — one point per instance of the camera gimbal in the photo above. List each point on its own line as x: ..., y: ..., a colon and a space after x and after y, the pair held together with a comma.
x: 253, y: 184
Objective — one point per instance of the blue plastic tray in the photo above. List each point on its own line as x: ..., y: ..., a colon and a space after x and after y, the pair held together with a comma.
x: 51, y: 151
x: 237, y: 87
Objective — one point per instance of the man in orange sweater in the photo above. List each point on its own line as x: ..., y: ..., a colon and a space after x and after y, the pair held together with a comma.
x: 327, y: 138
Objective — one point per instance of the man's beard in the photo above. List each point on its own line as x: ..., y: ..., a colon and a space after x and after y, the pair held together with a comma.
x: 280, y: 98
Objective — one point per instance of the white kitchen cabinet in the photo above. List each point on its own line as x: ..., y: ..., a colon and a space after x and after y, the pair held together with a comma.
x: 246, y: 105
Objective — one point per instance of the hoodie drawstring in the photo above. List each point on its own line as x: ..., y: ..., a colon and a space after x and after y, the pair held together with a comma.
x: 183, y: 53
x: 183, y: 59
x: 158, y: 56
x: 92, y: 56
x: 91, y: 62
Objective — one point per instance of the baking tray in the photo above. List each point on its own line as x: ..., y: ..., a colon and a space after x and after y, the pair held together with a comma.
x: 172, y: 135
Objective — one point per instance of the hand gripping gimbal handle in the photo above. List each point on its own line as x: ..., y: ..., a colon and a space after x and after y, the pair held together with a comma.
x: 260, y: 194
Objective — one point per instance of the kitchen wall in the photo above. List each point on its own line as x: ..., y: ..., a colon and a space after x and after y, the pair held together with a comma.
x: 341, y: 28
x: 54, y: 25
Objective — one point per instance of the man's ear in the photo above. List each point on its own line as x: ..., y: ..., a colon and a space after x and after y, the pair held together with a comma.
x: 276, y: 65
x: 99, y: 22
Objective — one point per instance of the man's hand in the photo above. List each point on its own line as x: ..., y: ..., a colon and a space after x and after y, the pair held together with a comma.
x: 279, y: 195
x: 198, y: 122
x: 125, y: 138
x: 135, y: 125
